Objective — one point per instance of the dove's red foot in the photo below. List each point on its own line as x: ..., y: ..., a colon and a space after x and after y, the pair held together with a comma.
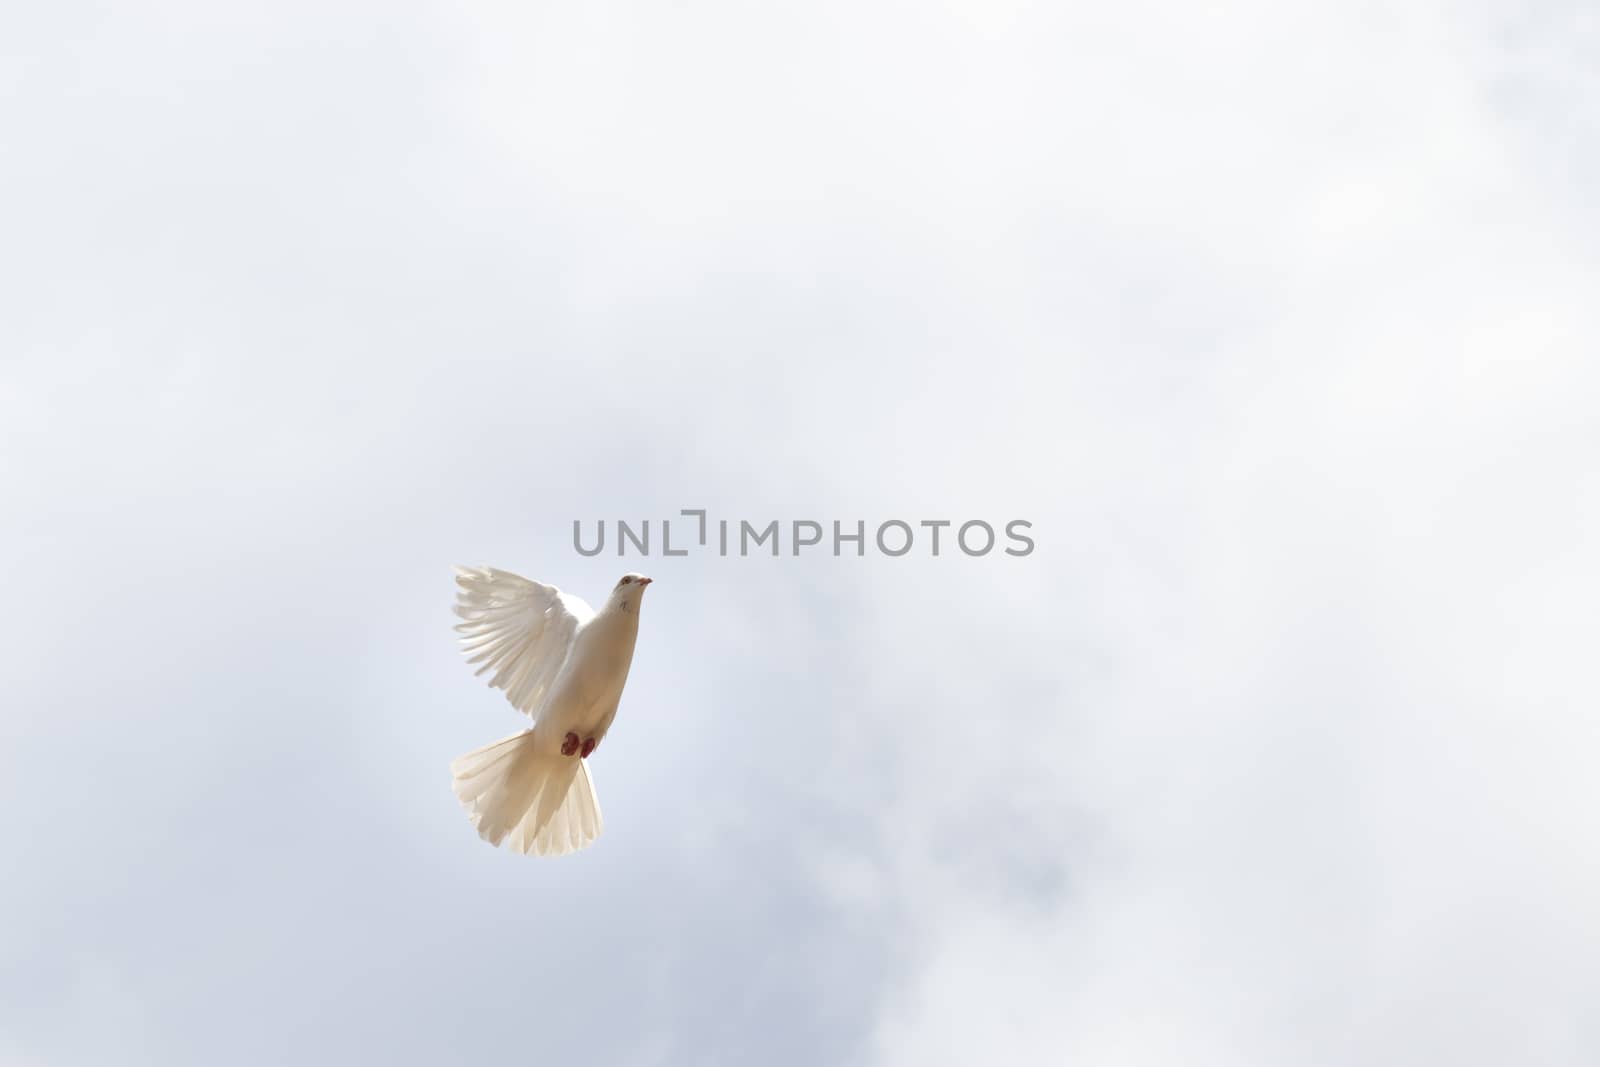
x: 588, y: 746
x: 569, y: 744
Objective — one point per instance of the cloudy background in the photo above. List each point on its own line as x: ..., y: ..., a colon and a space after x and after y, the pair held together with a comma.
x: 1277, y: 320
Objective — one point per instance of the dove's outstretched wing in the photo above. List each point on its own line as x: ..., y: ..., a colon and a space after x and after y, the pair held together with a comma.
x: 520, y: 630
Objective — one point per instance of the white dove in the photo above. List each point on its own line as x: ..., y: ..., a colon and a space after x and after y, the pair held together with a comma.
x: 563, y: 664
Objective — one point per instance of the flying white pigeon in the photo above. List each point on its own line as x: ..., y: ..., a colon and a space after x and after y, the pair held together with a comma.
x: 563, y: 664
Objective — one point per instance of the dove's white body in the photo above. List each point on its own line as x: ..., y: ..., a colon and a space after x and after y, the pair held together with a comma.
x: 586, y: 693
x: 563, y: 664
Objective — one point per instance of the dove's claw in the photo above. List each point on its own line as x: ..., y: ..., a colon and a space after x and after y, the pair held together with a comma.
x: 569, y: 744
x: 588, y: 746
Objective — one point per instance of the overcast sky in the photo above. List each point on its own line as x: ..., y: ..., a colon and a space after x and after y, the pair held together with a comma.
x: 1277, y: 321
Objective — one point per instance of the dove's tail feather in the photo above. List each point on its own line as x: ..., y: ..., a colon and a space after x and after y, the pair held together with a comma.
x: 535, y: 801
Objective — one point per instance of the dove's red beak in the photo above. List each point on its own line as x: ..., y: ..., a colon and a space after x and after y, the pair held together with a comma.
x: 646, y: 581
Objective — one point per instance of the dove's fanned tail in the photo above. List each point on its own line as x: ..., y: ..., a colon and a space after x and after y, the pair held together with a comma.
x: 536, y: 802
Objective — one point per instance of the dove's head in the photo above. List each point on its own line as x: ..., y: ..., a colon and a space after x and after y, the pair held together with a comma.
x: 629, y: 591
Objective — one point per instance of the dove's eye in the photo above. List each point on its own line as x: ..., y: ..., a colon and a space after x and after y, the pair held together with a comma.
x: 626, y: 581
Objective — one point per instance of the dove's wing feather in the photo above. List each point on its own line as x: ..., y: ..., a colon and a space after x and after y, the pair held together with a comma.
x: 519, y: 629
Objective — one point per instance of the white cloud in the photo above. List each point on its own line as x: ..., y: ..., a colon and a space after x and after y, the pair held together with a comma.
x: 1271, y: 319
